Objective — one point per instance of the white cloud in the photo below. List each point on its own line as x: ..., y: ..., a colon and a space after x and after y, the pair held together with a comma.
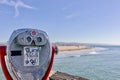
x: 16, y: 4
x: 73, y: 15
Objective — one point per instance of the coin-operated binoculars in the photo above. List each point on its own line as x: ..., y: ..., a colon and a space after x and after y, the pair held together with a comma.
x: 30, y: 55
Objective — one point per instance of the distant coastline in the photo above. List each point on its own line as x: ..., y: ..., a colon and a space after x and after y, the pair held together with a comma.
x: 72, y: 48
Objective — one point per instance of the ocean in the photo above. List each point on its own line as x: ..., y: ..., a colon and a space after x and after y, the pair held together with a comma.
x: 100, y: 63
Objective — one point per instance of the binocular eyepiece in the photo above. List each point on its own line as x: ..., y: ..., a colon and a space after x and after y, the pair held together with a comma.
x: 32, y: 38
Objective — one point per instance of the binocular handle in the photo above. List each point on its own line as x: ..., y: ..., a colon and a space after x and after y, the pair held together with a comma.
x: 4, y: 68
x: 2, y: 62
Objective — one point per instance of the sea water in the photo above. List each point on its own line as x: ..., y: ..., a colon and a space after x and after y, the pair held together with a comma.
x: 100, y: 63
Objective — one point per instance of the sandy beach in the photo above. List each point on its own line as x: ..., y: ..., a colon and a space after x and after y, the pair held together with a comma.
x: 72, y: 48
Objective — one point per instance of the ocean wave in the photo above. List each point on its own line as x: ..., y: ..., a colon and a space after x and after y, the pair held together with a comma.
x: 72, y: 56
x: 97, y: 50
x: 93, y: 52
x: 100, y: 49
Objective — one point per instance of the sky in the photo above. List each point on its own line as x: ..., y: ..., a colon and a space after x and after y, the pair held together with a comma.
x: 83, y: 21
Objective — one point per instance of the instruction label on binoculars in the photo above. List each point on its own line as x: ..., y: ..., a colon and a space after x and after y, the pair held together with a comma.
x: 31, y: 56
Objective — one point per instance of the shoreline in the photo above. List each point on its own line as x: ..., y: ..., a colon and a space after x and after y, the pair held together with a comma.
x: 72, y: 48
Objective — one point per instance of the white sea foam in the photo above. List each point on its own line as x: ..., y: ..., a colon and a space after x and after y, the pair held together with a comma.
x: 100, y: 49
x: 97, y: 50
x: 93, y: 52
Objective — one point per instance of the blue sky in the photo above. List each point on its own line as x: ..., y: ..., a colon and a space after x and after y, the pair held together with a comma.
x: 86, y: 21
